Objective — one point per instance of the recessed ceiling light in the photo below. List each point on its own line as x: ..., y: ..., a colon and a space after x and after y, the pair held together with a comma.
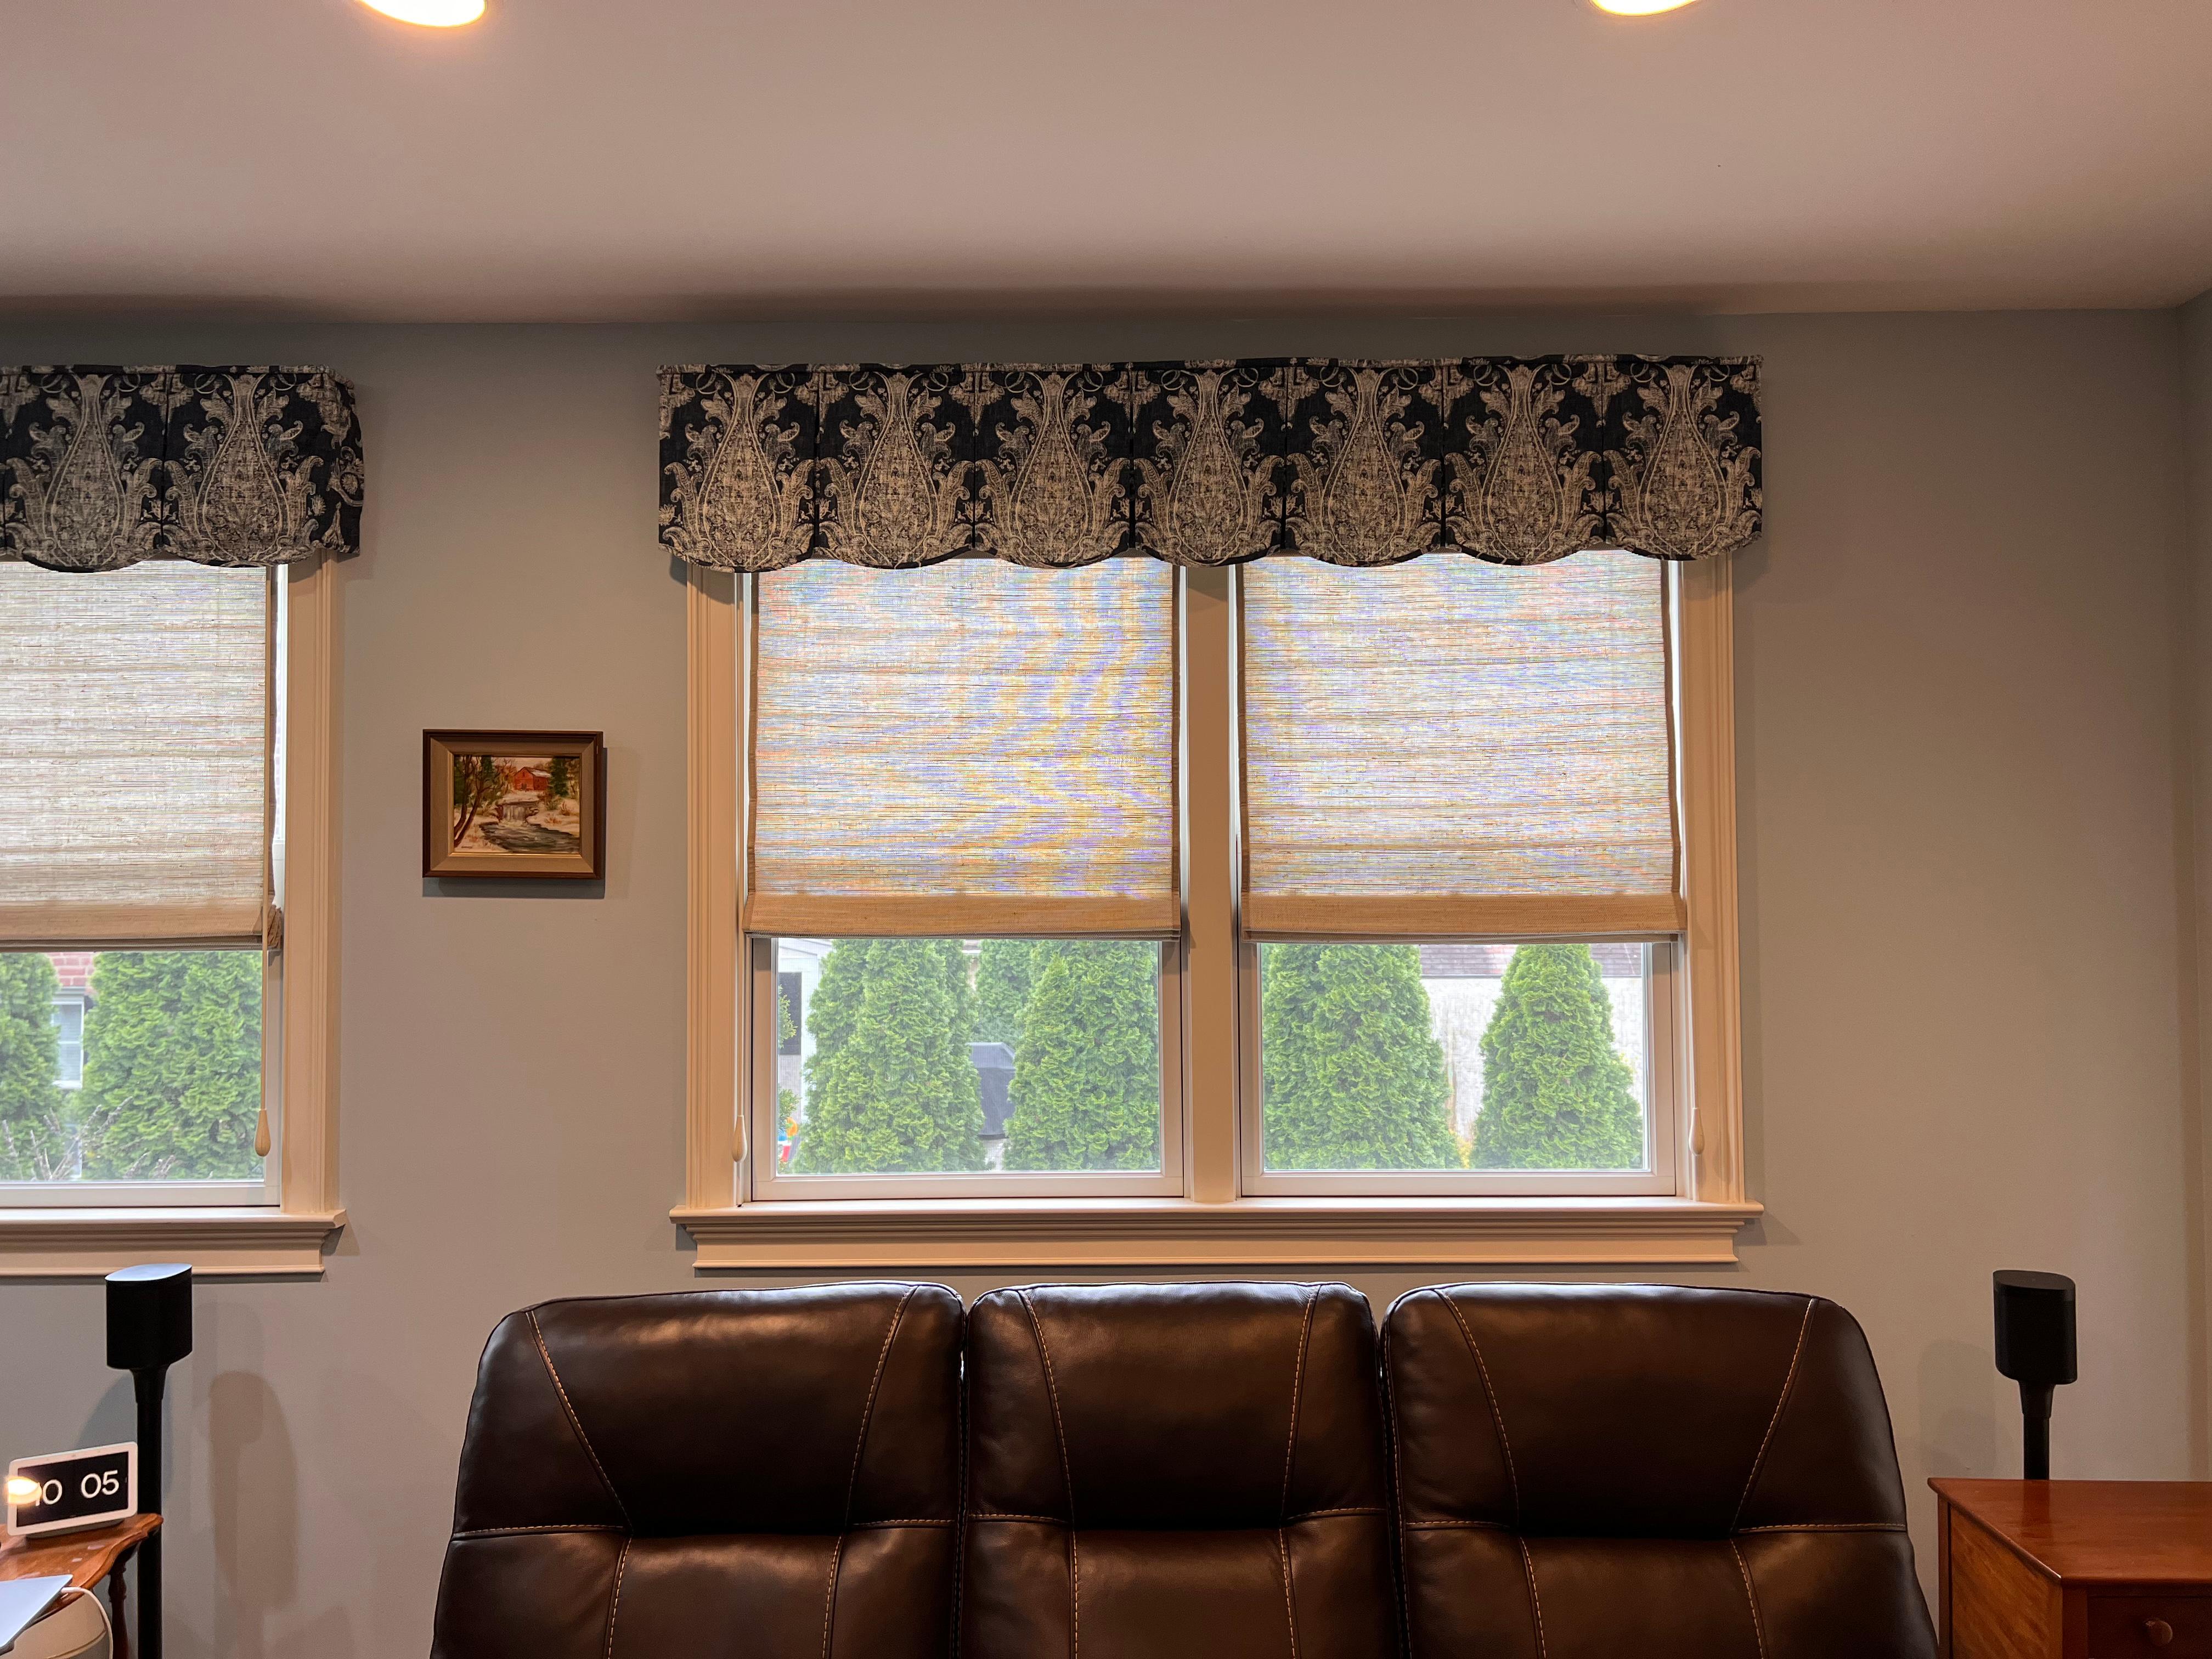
x: 442, y: 14
x: 1619, y: 7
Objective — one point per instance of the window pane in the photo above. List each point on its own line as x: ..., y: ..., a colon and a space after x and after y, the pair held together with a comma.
x: 167, y: 1065
x: 1426, y: 1057
x: 942, y: 1056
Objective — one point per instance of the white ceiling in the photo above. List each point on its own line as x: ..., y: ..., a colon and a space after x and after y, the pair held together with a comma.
x: 724, y: 158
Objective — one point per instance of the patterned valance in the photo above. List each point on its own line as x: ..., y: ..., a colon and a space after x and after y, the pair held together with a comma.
x: 102, y: 467
x: 1514, y: 460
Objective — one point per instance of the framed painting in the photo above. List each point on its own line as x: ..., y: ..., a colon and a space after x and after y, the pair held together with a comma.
x: 528, y: 805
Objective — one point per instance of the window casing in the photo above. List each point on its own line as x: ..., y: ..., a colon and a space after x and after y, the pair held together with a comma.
x: 1223, y: 1203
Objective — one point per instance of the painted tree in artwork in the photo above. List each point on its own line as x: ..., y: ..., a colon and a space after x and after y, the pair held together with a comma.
x: 35, y: 1144
x: 1555, y: 1094
x: 561, y: 777
x: 1002, y: 987
x: 173, y: 1065
x: 1086, y: 1087
x: 890, y: 1087
x: 478, y: 783
x: 1351, y: 1078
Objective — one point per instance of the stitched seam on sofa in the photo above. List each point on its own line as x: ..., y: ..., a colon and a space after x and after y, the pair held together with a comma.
x: 1468, y: 1526
x: 1535, y: 1601
x: 1349, y: 1508
x: 1827, y: 1526
x: 1750, y: 1595
x: 557, y: 1526
x: 852, y: 1480
x: 994, y: 1514
x: 575, y: 1422
x: 1781, y: 1400
x: 1298, y: 1388
x: 614, y: 1603
x: 1290, y: 1458
x: 829, y: 1592
x: 918, y: 1520
x: 1067, y: 1475
x: 1397, y: 1496
x: 1496, y: 1416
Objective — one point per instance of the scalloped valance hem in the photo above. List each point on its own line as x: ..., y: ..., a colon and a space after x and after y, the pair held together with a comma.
x: 103, y: 466
x: 1511, y: 460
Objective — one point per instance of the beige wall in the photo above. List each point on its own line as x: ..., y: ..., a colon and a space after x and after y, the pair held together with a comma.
x: 1964, y: 815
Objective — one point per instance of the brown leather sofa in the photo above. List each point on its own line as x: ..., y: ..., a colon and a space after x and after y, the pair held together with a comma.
x: 1172, y: 1471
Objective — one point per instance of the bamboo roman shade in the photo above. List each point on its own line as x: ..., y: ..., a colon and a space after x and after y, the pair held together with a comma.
x: 134, y: 755
x: 982, y: 749
x: 1447, y: 747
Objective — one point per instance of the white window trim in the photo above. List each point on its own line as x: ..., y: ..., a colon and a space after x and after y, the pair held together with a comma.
x: 242, y: 1228
x: 1214, y: 1222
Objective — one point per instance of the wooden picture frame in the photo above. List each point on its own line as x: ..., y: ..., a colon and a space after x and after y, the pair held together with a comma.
x: 515, y: 806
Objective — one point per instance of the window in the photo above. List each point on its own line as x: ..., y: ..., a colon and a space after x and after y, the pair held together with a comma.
x: 1456, y: 757
x: 155, y: 1020
x: 993, y: 749
x: 1291, y: 913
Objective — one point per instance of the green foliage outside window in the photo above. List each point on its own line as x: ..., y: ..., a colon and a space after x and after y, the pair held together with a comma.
x: 172, y: 1066
x: 1086, y: 1085
x: 34, y: 1141
x: 1555, y: 1094
x: 889, y: 1086
x: 1352, y: 1078
x: 1004, y: 975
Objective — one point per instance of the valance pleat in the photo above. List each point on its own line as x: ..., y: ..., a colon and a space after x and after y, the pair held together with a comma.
x: 101, y: 467
x: 1512, y: 460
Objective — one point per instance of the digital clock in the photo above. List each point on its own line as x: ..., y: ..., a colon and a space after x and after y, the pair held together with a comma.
x: 61, y: 1492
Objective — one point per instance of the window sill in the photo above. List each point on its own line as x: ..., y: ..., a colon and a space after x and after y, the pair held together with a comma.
x: 54, y: 1243
x: 1178, y: 1232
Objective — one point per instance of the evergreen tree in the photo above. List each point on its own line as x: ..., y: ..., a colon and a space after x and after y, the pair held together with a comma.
x: 1352, y: 1078
x: 33, y: 1139
x: 1003, y: 976
x: 1555, y: 1094
x: 1086, y: 1087
x: 173, y: 1065
x: 560, y: 777
x: 890, y: 1087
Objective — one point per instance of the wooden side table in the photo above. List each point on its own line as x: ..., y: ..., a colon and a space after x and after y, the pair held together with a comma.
x: 2075, y: 1568
x: 87, y: 1557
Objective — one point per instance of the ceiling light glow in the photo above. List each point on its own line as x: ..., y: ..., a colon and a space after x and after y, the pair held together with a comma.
x: 1630, y: 8
x: 434, y: 14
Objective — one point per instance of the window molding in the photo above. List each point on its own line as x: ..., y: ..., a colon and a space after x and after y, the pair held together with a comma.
x: 1211, y: 1226
x: 287, y: 1239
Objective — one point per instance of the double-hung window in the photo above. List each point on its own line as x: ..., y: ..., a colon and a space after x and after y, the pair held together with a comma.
x: 1346, y: 912
x: 147, y: 715
x: 961, y: 884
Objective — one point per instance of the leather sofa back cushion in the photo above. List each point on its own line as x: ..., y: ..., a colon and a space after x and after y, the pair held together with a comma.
x: 1592, y: 1469
x: 765, y: 1472
x: 1158, y: 1470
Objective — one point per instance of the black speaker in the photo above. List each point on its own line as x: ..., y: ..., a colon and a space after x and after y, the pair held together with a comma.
x: 2035, y: 1348
x: 149, y: 1329
x: 149, y: 1315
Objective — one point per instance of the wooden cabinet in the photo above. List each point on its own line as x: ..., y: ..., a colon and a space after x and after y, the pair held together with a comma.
x: 2075, y: 1568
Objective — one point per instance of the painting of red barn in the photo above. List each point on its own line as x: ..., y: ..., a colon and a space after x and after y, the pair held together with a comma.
x: 513, y: 803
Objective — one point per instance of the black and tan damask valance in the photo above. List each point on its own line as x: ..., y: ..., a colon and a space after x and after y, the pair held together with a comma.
x: 1513, y: 460
x: 102, y: 467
